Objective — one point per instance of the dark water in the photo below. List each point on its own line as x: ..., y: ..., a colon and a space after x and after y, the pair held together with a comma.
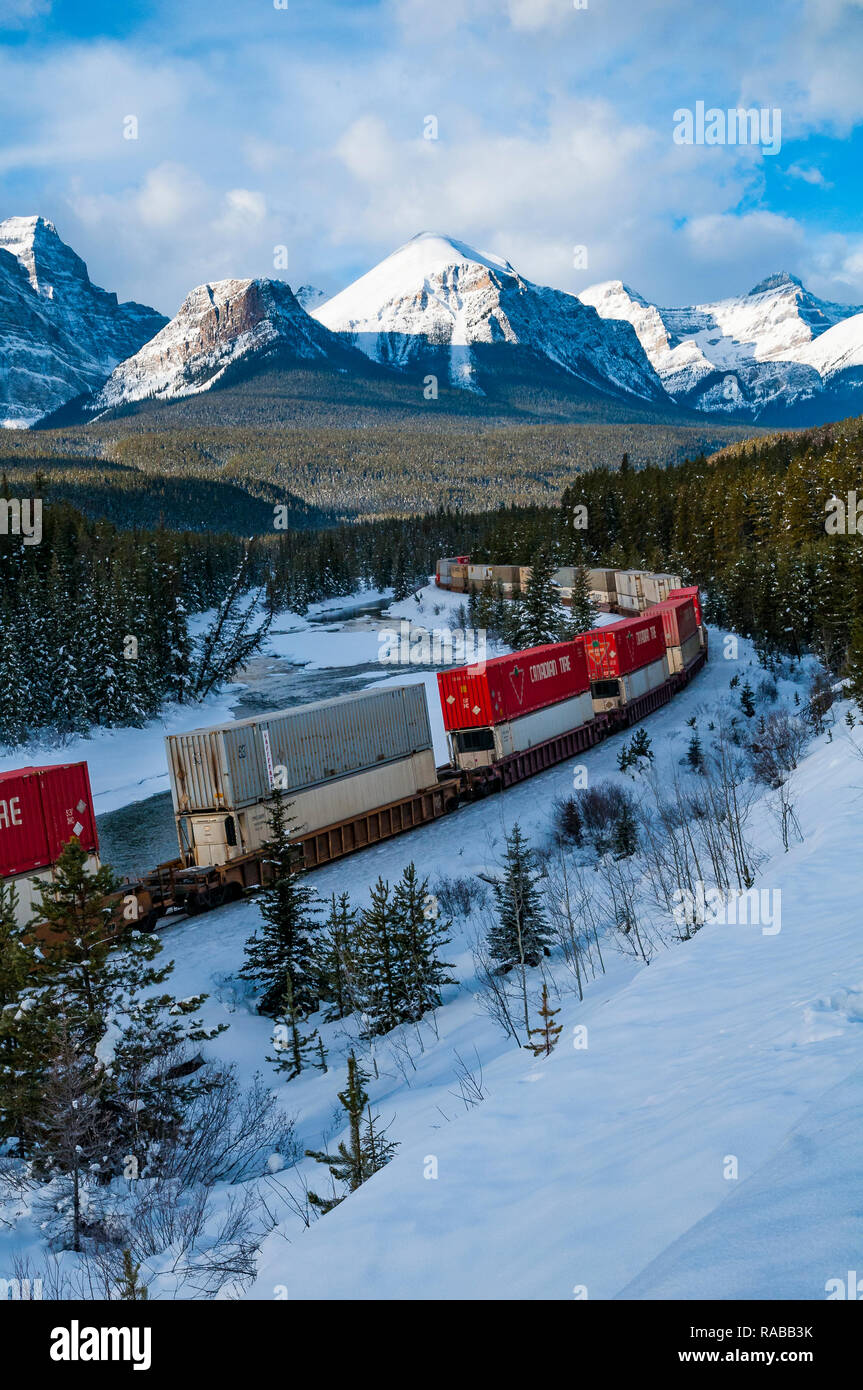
x: 135, y: 838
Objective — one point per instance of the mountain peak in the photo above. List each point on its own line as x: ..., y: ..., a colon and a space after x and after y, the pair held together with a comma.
x: 779, y: 281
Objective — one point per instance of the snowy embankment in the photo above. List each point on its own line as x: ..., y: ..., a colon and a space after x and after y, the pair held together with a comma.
x: 604, y: 1168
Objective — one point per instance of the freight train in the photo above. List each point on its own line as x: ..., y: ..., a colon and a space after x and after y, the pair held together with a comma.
x: 613, y: 591
x: 360, y: 768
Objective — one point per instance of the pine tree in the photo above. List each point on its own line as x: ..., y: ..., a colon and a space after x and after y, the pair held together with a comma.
x: 24, y: 1028
x: 625, y: 840
x: 584, y: 611
x: 365, y: 1152
x: 694, y: 754
x: 541, y: 605
x: 289, y: 908
x: 521, y: 932
x: 747, y: 700
x: 336, y: 951
x: 131, y: 1289
x: 854, y: 665
x: 288, y: 1041
x: 420, y: 936
x: 94, y: 983
x: 378, y: 981
x: 548, y: 1031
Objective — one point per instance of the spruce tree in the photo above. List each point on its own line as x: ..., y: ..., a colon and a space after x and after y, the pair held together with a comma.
x: 584, y: 611
x: 541, y: 615
x: 548, y: 1032
x: 421, y: 935
x: 625, y: 840
x: 747, y: 700
x: 521, y: 933
x: 694, y: 754
x: 336, y: 951
x: 289, y: 908
x: 378, y: 984
x: 288, y: 1041
x: 366, y: 1150
x: 131, y: 1288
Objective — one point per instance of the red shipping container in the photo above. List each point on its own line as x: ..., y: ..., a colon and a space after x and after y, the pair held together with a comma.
x: 41, y: 808
x: 678, y: 620
x: 694, y: 595
x: 67, y: 805
x: 510, y: 686
x: 620, y: 648
x: 23, y: 837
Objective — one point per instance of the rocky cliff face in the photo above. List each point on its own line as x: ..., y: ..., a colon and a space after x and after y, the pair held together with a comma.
x: 217, y: 326
x: 60, y: 334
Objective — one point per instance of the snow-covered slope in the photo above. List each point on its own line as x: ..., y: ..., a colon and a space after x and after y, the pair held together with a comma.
x: 755, y: 354
x: 217, y: 326
x: 59, y: 333
x: 605, y: 1167
x: 436, y: 298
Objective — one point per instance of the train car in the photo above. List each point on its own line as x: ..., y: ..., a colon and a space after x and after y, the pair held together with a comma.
x: 690, y: 592
x: 658, y: 587
x: 442, y: 569
x: 336, y: 760
x: 41, y: 810
x: 629, y: 588
x: 682, y: 634
x: 625, y: 661
x: 514, y: 703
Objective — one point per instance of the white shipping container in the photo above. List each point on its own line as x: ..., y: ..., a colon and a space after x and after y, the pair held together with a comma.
x: 519, y: 734
x: 646, y: 678
x: 313, y: 809
x: 232, y: 765
x: 658, y: 586
x: 680, y: 657
x: 27, y: 889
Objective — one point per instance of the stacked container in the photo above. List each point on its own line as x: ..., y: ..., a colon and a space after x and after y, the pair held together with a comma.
x: 442, y: 570
x: 514, y: 702
x: 625, y: 661
x: 603, y: 589
x: 335, y: 760
x: 629, y: 586
x: 458, y: 576
x: 690, y: 592
x: 41, y: 810
x: 682, y: 637
x: 658, y: 587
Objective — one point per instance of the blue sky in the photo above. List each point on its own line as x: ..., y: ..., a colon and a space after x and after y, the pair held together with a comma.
x: 260, y: 127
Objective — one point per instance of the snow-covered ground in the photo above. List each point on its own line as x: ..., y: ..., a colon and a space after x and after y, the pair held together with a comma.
x: 606, y: 1170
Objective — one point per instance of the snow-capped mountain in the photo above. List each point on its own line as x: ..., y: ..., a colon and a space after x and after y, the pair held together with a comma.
x: 59, y: 333
x: 217, y: 326
x: 437, y: 301
x: 774, y: 350
x: 310, y: 297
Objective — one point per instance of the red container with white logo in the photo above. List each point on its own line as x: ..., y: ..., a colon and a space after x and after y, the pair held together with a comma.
x: 41, y: 809
x: 510, y: 686
x: 678, y: 620
x: 620, y: 648
x: 694, y: 595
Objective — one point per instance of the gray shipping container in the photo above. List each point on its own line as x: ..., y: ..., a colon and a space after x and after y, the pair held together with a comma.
x: 229, y: 766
